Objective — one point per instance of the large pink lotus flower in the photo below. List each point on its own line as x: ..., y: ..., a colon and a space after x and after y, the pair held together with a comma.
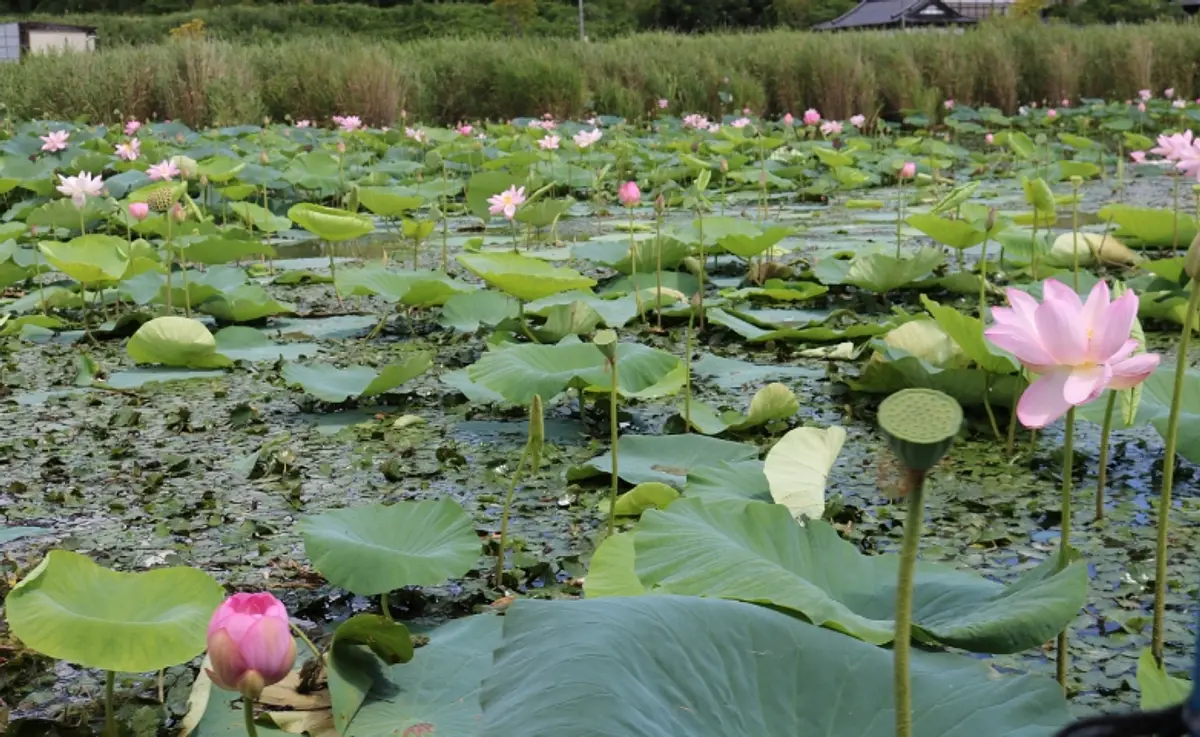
x: 249, y: 644
x: 1077, y: 350
x: 80, y: 187
x: 165, y: 170
x: 629, y: 194
x: 831, y: 128
x: 139, y: 210
x: 811, y: 116
x: 549, y: 143
x: 1175, y: 147
x: 507, y: 202
x: 130, y: 151
x: 133, y: 126
x: 55, y: 141
x: 348, y: 123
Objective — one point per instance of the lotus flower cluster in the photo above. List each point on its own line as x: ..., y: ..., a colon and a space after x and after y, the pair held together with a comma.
x: 250, y: 644
x: 507, y: 202
x: 416, y: 134
x: 1077, y: 349
x: 740, y: 123
x: 696, y: 121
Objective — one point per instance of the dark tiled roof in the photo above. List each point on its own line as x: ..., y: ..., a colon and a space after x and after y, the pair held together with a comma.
x: 895, y: 12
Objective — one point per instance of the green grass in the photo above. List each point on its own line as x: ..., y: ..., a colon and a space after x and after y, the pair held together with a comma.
x: 444, y: 80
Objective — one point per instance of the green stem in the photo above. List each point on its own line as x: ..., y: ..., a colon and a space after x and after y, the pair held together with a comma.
x: 1168, y: 479
x: 1175, y: 232
x: 525, y: 324
x: 187, y: 298
x: 110, y: 718
x: 687, y: 373
x: 508, y: 500
x: 445, y: 221
x: 170, y: 263
x: 633, y: 259
x: 987, y: 404
x: 1105, y: 435
x: 1075, y: 239
x: 613, y: 427
x: 1064, y: 543
x: 658, y: 265
x: 1011, y: 440
x: 384, y: 609
x: 983, y: 280
x: 309, y: 643
x: 248, y: 712
x: 899, y: 215
x: 700, y: 230
x: 902, y: 644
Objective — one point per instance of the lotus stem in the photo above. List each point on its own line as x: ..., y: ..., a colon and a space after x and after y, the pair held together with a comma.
x: 633, y: 259
x: 899, y: 215
x: 170, y: 263
x: 1064, y: 543
x: 445, y: 221
x: 248, y: 712
x: 987, y: 404
x: 1075, y: 235
x: 658, y: 265
x: 508, y: 500
x: 308, y: 643
x: 1011, y: 441
x: 902, y: 643
x: 1175, y: 223
x: 983, y: 280
x: 110, y: 718
x: 1168, y: 479
x: 524, y: 323
x: 187, y: 297
x: 687, y: 373
x: 700, y: 229
x: 37, y: 264
x: 1105, y: 437
x: 613, y: 427
x: 384, y: 609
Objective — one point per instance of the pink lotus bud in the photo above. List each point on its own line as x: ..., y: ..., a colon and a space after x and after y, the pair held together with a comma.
x: 788, y: 120
x: 341, y: 147
x: 724, y: 166
x: 1052, y: 113
x: 263, y: 158
x: 908, y: 171
x: 1141, y: 107
x: 177, y: 213
x: 990, y: 139
x: 629, y: 194
x: 1169, y: 92
x: 1138, y: 156
x: 249, y: 644
x: 811, y: 117
x: 660, y: 203
x: 139, y: 210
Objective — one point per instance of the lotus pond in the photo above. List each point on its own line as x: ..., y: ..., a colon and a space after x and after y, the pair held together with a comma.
x: 319, y: 363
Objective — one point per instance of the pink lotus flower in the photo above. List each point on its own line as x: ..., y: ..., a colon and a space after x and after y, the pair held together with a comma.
x: 416, y: 134
x: 348, y: 123
x: 464, y: 129
x: 745, y: 111
x: 139, y: 210
x: 908, y: 171
x: 949, y: 104
x: 714, y: 127
x: 629, y: 194
x: 663, y: 103
x: 1065, y: 102
x: 165, y: 170
x: 1051, y: 113
x: 740, y: 123
x: 304, y: 123
x: 1076, y: 349
x: 696, y: 121
x: 989, y: 139
x: 549, y: 143
x: 1141, y: 107
x: 1179, y: 104
x: 831, y: 128
x: 583, y: 139
x: 1175, y: 147
x: 1169, y: 92
x: 1145, y: 94
x: 249, y: 644
x: 341, y: 147
x: 858, y: 121
x: 507, y: 202
x: 133, y: 126
x: 80, y: 187
x: 788, y: 120
x: 130, y: 151
x: 811, y: 116
x: 55, y: 141
x: 1139, y: 157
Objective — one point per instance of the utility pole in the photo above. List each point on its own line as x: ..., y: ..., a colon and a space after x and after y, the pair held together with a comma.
x: 582, y: 32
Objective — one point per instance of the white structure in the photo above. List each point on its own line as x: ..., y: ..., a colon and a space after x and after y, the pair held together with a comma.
x: 29, y: 37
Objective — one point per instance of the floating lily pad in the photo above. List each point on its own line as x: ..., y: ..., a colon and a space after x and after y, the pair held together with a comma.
x: 332, y: 384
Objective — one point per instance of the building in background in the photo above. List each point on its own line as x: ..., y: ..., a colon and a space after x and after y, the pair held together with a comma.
x: 898, y: 14
x: 29, y: 37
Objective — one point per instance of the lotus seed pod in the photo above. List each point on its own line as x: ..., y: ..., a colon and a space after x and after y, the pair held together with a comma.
x: 606, y: 341
x: 1076, y: 180
x: 920, y: 426
x: 161, y: 199
x: 1191, y: 262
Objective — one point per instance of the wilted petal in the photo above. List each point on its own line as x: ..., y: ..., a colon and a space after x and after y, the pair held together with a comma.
x: 1043, y: 402
x: 1116, y: 326
x: 1084, y: 384
x: 1133, y: 371
x: 1060, y: 329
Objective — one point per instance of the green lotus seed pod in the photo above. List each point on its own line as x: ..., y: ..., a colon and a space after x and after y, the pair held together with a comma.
x: 920, y: 425
x: 606, y: 341
x: 161, y: 199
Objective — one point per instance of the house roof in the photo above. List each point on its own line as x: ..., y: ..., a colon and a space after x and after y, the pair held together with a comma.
x: 886, y: 13
x: 41, y: 26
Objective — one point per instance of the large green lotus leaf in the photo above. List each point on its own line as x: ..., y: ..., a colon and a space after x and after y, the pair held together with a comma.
x: 1158, y: 689
x: 816, y: 332
x: 893, y: 369
x: 755, y: 552
x: 330, y: 223
x: 257, y: 217
x: 249, y: 344
x: 543, y: 212
x: 220, y: 169
x: 246, y: 303
x: 435, y: 694
x: 89, y: 259
x: 72, y: 609
x: 967, y: 333
x: 63, y: 214
x: 468, y: 311
x: 614, y: 313
x: 332, y: 384
x: 1155, y: 408
x: 713, y: 230
x: 744, y: 480
x: 748, y: 246
x: 668, y: 459
x: 151, y: 286
x: 415, y: 288
x: 319, y: 170
x: 658, y: 666
x: 611, y: 571
x: 779, y: 291
x: 879, y: 272
x: 771, y: 403
x: 525, y: 278
x: 954, y: 233
x: 389, y: 202
x: 614, y: 252
x: 176, y: 341
x: 485, y: 184
x: 1151, y: 227
x: 215, y: 249
x: 519, y: 372
x: 378, y: 548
